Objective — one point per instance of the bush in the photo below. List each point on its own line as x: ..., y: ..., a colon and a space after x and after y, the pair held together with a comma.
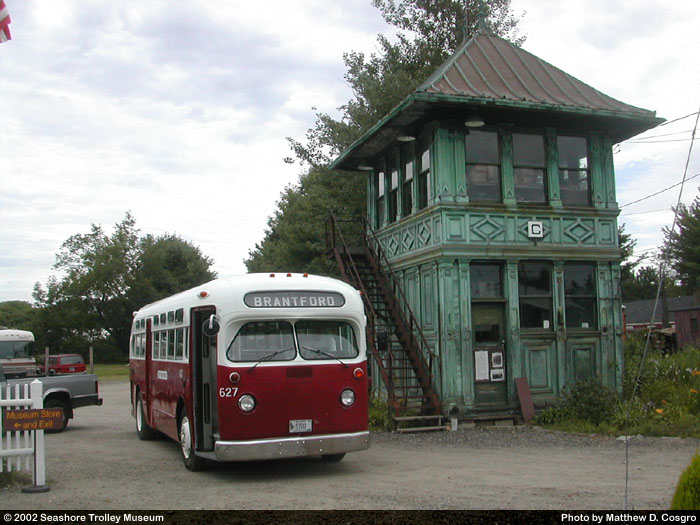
x: 587, y: 402
x: 379, y: 418
x: 590, y: 401
x: 687, y: 495
x: 666, y: 399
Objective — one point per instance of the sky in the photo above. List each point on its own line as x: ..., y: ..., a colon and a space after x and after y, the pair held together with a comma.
x: 178, y: 112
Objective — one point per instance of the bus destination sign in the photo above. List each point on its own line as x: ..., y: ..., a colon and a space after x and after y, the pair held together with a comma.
x: 294, y: 299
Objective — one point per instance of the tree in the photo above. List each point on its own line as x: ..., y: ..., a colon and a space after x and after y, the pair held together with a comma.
x: 682, y: 246
x: 637, y: 280
x: 106, y: 278
x: 295, y: 238
x: 432, y: 29
x: 17, y: 314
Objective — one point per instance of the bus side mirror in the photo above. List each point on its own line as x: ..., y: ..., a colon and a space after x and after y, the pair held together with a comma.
x: 211, y: 326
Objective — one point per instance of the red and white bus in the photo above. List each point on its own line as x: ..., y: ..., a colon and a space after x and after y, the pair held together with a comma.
x: 259, y: 366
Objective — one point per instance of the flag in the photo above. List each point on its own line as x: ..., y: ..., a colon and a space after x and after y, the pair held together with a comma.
x: 4, y: 23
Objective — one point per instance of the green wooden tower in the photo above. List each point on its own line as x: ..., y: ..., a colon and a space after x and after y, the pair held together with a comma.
x: 492, y: 211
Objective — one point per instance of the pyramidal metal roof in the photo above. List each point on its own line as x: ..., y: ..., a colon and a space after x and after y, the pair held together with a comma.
x: 487, y: 66
x: 504, y: 83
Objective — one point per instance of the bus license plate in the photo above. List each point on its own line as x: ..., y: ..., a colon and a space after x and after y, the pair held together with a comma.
x: 300, y: 425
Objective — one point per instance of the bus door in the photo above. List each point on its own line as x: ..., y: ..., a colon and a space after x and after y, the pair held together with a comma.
x: 203, y: 361
x: 146, y: 392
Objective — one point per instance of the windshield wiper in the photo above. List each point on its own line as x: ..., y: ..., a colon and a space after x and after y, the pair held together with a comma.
x: 321, y: 352
x: 270, y: 356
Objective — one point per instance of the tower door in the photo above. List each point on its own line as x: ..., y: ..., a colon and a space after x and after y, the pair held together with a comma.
x: 490, y: 389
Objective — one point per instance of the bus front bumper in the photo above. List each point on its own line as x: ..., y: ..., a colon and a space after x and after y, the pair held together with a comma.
x: 291, y: 447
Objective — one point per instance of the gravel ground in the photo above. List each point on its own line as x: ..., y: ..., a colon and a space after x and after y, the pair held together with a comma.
x: 99, y: 463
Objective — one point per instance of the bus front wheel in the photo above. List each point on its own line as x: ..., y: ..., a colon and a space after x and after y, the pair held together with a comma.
x: 189, y: 458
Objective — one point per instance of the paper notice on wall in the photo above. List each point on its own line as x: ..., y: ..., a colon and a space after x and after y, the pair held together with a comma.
x: 481, y: 365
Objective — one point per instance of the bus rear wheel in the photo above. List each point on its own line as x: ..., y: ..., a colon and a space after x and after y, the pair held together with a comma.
x: 144, y: 431
x: 189, y: 458
x: 332, y: 458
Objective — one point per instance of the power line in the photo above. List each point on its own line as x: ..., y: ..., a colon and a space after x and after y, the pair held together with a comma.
x: 677, y: 119
x: 643, y: 141
x: 666, y: 134
x: 665, y: 189
x: 643, y: 212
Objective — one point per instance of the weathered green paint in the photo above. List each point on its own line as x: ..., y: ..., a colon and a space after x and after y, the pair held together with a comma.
x: 552, y: 160
x: 433, y: 249
x: 507, y: 184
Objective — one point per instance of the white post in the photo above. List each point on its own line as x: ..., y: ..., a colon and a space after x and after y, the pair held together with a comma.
x: 39, y: 471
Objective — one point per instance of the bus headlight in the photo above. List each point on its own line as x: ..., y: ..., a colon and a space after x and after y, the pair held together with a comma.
x: 347, y: 397
x: 246, y: 403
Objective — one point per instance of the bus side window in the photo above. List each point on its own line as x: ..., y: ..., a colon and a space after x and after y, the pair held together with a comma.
x: 171, y: 344
x: 186, y: 343
x: 179, y: 344
x: 155, y: 353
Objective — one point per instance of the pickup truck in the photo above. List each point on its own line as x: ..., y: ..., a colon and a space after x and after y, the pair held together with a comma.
x: 68, y: 391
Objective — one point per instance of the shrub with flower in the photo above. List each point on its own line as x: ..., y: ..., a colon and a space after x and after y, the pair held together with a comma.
x: 666, y: 397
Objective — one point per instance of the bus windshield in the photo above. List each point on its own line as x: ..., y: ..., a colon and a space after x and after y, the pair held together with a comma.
x: 275, y: 341
x: 263, y: 340
x: 324, y: 339
x: 16, y: 349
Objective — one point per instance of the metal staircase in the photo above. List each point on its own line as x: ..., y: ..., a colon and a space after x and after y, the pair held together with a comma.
x: 396, y: 343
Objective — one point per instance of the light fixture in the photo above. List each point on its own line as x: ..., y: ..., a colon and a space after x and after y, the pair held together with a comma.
x: 474, y: 121
x: 406, y: 138
x: 364, y: 167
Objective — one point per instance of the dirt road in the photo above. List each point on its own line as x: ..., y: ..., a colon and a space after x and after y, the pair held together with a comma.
x: 99, y: 463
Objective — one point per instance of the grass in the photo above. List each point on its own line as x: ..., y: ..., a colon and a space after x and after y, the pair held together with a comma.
x: 112, y: 372
x: 9, y: 480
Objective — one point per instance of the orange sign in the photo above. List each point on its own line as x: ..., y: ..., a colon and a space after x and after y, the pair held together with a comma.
x: 32, y: 419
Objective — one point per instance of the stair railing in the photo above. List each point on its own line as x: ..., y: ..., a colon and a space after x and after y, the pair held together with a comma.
x: 370, y: 240
x: 334, y: 236
x: 414, y: 327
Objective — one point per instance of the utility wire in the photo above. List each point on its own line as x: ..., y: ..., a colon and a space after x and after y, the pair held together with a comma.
x: 665, y: 134
x: 665, y: 189
x: 662, y: 263
x: 644, y: 141
x: 677, y: 119
x: 643, y: 212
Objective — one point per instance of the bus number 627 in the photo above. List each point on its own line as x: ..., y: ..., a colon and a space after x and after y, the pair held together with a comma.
x: 228, y: 392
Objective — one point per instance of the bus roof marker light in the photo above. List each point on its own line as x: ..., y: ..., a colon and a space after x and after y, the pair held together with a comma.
x: 272, y: 275
x: 203, y: 294
x: 306, y: 275
x: 289, y: 275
